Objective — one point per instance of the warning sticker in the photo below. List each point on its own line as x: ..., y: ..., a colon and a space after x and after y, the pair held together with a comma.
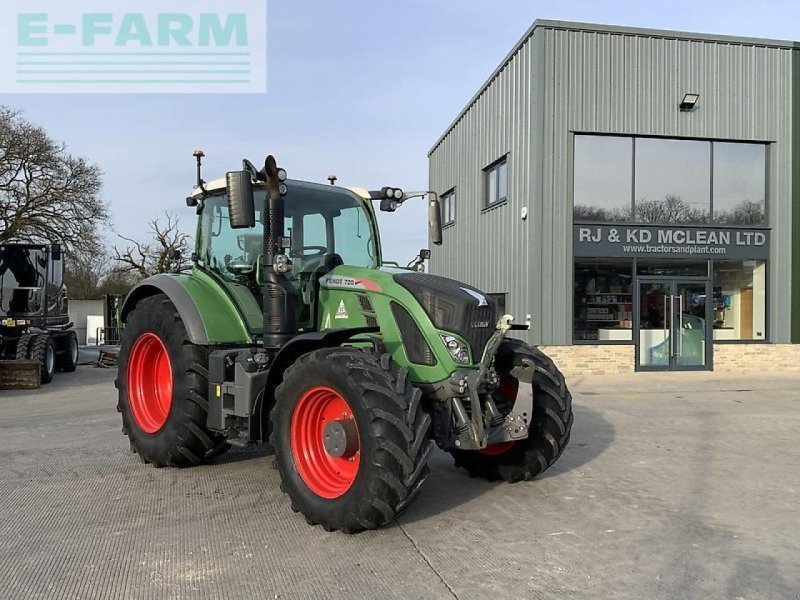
x: 341, y: 312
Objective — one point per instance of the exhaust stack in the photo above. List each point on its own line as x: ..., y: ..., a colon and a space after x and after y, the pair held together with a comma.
x: 279, y: 304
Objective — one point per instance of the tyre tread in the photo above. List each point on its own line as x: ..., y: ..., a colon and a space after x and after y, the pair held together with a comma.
x: 397, y: 467
x: 549, y: 434
x: 193, y: 443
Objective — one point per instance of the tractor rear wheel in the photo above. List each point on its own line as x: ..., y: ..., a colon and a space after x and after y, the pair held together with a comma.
x: 351, y: 438
x: 549, y: 429
x: 163, y: 388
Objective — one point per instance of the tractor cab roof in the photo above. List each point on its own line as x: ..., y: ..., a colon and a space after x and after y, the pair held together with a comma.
x: 218, y: 186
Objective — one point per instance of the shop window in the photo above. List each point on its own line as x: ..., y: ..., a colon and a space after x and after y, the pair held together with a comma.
x: 740, y: 184
x: 603, y: 181
x: 740, y: 300
x: 500, y: 301
x: 448, y: 207
x: 497, y: 182
x: 603, y: 300
x: 672, y: 181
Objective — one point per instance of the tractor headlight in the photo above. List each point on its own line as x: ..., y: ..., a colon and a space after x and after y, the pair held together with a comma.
x: 456, y: 349
x: 398, y: 194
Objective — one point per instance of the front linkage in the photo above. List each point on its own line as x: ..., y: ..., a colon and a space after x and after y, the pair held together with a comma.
x: 484, y: 425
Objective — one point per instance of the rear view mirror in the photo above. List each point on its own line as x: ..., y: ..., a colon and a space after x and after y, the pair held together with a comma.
x: 435, y: 220
x: 241, y: 204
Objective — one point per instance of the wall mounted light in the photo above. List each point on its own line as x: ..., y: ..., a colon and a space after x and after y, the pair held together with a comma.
x: 689, y: 101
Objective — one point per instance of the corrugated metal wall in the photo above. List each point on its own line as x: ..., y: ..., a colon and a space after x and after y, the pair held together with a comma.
x: 585, y: 80
x: 616, y: 83
x: 490, y: 249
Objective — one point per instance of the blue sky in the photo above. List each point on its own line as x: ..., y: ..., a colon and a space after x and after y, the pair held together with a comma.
x: 360, y: 89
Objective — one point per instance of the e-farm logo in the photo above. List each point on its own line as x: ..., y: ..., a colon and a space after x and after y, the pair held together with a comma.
x: 136, y: 46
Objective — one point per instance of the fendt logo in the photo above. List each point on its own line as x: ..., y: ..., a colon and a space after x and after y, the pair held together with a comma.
x: 173, y: 46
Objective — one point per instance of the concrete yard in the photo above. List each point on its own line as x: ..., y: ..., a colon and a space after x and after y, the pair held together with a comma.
x: 674, y: 486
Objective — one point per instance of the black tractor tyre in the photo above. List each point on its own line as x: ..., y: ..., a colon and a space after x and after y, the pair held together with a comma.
x: 67, y: 360
x: 392, y: 437
x: 183, y: 440
x: 549, y: 428
x: 23, y: 351
x: 43, y: 350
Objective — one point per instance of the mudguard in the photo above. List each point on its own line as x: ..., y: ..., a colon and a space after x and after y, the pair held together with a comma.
x: 296, y: 347
x: 207, y: 312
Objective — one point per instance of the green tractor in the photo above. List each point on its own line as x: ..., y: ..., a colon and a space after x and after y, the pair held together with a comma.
x: 291, y: 330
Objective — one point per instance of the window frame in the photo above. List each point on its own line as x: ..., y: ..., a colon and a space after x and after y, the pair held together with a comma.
x: 487, y: 192
x: 585, y: 342
x: 767, y: 144
x: 448, y: 200
x: 767, y: 312
x: 767, y: 147
x: 713, y: 281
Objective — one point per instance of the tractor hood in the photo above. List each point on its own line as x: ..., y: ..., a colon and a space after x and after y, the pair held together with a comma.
x: 453, y: 306
x: 414, y: 310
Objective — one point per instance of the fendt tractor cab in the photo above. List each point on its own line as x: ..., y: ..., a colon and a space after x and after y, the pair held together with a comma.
x: 291, y: 329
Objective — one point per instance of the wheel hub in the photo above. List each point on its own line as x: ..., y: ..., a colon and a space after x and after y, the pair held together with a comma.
x: 340, y: 438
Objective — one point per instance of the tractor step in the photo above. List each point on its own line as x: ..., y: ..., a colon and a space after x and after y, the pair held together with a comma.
x: 238, y: 437
x: 20, y: 374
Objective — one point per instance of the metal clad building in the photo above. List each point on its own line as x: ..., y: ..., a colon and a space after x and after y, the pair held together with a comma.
x: 612, y: 94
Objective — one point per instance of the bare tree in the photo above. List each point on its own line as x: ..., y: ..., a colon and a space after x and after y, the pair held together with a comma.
x: 746, y: 212
x: 671, y: 209
x: 46, y: 194
x: 165, y: 253
x: 90, y: 276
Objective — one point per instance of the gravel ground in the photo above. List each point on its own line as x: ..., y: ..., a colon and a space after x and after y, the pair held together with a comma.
x: 674, y: 486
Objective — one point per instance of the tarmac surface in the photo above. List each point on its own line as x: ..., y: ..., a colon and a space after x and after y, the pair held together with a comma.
x: 673, y: 486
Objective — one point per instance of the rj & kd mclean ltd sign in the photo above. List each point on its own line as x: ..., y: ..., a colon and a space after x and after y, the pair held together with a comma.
x: 676, y: 242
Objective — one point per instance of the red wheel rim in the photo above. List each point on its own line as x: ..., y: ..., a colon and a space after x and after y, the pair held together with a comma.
x: 149, y: 382
x: 509, y: 389
x: 326, y: 475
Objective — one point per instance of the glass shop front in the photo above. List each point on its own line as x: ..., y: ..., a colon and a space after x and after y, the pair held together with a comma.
x: 671, y: 247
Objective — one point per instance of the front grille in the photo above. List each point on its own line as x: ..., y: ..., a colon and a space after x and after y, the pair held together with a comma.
x: 454, y: 306
x: 372, y: 322
x: 417, y: 349
x: 478, y: 337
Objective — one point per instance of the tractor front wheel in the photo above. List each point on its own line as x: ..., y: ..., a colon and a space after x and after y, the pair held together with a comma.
x: 163, y: 388
x: 351, y: 438
x: 549, y: 426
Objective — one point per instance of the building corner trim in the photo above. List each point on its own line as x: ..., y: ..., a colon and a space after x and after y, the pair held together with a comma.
x: 795, y: 149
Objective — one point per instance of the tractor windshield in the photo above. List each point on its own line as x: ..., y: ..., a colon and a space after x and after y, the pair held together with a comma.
x: 320, y: 221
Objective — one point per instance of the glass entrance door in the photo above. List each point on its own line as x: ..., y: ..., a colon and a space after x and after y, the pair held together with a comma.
x: 672, y: 324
